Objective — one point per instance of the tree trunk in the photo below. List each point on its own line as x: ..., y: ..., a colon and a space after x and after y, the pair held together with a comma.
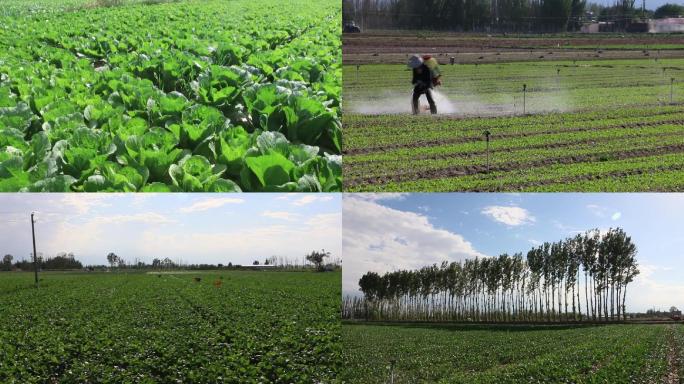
x: 605, y: 299
x: 586, y: 292
x: 624, y: 295
x: 612, y: 301
x: 574, y: 313
x: 579, y: 301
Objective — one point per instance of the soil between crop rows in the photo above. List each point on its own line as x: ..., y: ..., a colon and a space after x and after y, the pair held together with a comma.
x: 456, y: 140
x: 479, y: 169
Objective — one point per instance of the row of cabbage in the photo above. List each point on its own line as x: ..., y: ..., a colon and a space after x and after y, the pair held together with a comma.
x: 211, y: 96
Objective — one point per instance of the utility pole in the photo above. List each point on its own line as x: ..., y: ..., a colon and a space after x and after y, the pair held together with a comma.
x: 35, y: 256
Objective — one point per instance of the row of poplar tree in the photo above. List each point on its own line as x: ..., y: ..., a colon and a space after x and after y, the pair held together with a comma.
x: 582, y: 278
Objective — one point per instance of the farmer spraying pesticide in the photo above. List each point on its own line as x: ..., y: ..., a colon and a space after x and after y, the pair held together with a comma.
x: 426, y: 76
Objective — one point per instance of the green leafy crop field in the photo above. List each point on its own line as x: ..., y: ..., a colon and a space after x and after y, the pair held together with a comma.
x: 255, y: 327
x: 434, y: 353
x: 132, y: 95
x: 602, y: 125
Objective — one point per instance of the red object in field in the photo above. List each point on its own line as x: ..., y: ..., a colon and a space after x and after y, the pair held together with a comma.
x: 217, y: 283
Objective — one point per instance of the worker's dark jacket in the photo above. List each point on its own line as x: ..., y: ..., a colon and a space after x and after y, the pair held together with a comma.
x: 424, y: 77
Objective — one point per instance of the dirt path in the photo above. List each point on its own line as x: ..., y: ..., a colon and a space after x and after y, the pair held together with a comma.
x: 392, y: 48
x: 675, y: 356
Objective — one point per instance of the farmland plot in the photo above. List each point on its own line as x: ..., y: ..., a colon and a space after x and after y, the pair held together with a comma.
x: 280, y: 327
x: 176, y: 96
x: 589, y: 126
x: 431, y: 353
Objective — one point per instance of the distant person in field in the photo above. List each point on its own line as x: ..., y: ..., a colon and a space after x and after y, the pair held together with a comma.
x: 424, y: 80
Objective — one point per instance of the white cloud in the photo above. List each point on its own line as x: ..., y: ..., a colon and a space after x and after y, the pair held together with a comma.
x: 211, y: 203
x: 594, y: 207
x: 93, y: 225
x: 311, y: 198
x: 140, y: 199
x: 512, y: 216
x: 604, y: 212
x: 92, y: 239
x: 375, y: 197
x: 247, y: 244
x: 326, y: 220
x: 380, y: 239
x: 83, y: 204
x: 650, y: 290
x: 144, y: 217
x: 535, y: 242
x: 281, y: 215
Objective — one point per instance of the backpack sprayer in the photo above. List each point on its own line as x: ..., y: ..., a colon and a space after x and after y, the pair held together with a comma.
x: 432, y: 64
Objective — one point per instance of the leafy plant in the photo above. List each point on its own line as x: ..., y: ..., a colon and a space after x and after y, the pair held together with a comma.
x: 144, y: 103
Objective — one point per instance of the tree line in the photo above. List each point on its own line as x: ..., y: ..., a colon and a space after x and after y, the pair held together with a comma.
x: 489, y: 15
x: 61, y: 260
x: 581, y: 278
x: 315, y: 258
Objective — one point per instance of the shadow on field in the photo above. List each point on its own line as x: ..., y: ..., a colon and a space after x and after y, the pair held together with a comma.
x: 491, y: 327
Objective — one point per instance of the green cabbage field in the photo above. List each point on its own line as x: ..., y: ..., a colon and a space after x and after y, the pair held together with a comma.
x: 479, y: 354
x: 231, y: 327
x: 595, y: 125
x: 215, y: 96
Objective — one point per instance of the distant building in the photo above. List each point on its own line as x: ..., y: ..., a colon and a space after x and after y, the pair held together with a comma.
x: 669, y: 25
x: 601, y: 26
x: 590, y: 28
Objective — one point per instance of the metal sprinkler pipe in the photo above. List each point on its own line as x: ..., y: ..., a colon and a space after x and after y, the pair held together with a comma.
x: 524, y: 94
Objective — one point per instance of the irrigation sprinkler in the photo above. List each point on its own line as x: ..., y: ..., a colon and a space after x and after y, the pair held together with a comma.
x: 357, y: 73
x: 487, y: 135
x: 524, y: 94
x: 671, y: 88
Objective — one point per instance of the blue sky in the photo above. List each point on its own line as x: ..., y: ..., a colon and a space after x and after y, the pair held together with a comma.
x: 394, y: 231
x: 650, y: 4
x: 197, y: 228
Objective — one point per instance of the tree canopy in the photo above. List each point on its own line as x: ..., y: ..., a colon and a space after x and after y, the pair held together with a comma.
x: 544, y: 285
x: 669, y: 10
